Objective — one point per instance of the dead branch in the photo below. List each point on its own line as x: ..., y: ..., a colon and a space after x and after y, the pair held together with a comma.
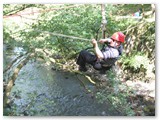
x: 12, y: 79
x: 9, y: 66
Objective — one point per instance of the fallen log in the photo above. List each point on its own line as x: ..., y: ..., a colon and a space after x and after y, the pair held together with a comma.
x: 12, y: 79
x: 9, y: 66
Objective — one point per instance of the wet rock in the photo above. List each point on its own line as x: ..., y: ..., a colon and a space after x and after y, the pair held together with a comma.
x: 103, y: 113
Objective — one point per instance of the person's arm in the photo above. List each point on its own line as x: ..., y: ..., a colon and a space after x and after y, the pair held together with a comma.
x: 97, y: 50
x: 105, y: 40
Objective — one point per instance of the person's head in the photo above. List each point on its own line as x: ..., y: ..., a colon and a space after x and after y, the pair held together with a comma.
x: 117, y: 38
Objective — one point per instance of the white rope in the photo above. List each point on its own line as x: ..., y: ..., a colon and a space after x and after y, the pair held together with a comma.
x: 62, y: 35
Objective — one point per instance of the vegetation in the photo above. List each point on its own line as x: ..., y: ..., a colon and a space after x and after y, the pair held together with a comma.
x: 116, y: 93
x: 36, y: 27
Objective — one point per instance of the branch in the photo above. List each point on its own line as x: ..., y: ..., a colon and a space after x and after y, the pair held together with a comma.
x: 13, y: 78
x: 17, y: 10
x: 9, y: 66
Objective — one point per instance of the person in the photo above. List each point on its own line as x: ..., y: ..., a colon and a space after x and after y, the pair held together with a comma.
x: 138, y: 13
x: 102, y: 59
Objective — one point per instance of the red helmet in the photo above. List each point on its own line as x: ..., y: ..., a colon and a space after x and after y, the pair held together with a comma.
x: 118, y: 36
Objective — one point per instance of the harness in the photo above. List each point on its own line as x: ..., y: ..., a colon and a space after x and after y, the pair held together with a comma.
x: 99, y: 64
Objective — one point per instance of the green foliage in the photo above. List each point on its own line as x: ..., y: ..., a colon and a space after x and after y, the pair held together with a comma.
x: 129, y: 9
x: 10, y: 9
x: 136, y: 62
x: 6, y: 36
x: 117, y: 94
x: 81, y: 20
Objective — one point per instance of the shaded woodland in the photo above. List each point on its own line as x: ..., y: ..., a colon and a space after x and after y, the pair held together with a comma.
x: 56, y: 33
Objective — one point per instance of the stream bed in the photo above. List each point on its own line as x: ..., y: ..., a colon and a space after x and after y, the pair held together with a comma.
x: 41, y: 91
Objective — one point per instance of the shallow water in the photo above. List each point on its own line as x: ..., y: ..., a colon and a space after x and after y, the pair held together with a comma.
x: 40, y: 91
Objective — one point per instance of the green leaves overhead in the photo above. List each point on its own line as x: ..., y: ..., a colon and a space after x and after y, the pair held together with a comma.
x: 79, y: 20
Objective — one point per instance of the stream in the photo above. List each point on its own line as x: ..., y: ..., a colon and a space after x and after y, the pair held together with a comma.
x: 41, y: 91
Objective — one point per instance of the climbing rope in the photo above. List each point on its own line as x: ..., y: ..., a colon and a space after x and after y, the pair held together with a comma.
x: 104, y: 22
x: 55, y: 34
x: 62, y: 35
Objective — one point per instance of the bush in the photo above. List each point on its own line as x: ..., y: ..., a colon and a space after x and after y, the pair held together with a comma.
x: 136, y: 63
x: 116, y: 93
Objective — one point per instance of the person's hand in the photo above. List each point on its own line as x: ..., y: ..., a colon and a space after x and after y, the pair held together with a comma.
x: 102, y: 41
x: 105, y: 40
x: 94, y: 42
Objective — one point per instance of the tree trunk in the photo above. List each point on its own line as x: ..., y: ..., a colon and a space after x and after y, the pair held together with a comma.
x: 104, y: 21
